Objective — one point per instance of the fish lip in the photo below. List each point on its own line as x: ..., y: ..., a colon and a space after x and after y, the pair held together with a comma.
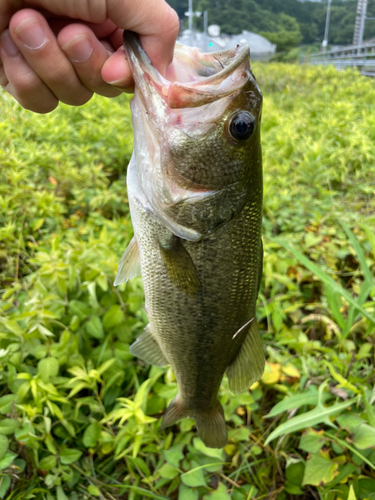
x: 147, y: 79
x: 177, y: 95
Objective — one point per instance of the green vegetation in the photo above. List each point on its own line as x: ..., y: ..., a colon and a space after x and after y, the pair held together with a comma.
x: 76, y: 407
x: 284, y: 22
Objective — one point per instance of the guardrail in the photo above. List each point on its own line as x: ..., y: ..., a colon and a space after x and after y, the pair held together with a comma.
x: 359, y: 56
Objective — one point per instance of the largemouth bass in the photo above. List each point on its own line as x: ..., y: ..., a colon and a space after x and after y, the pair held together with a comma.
x: 195, y: 195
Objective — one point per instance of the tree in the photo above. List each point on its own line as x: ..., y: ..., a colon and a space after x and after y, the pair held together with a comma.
x: 285, y: 22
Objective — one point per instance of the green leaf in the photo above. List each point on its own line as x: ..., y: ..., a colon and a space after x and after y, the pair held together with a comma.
x: 167, y: 471
x: 144, y: 492
x: 349, y: 421
x: 186, y: 493
x: 48, y: 368
x: 7, y: 459
x: 294, y: 475
x: 105, y: 366
x: 6, y: 403
x: 4, y: 485
x: 209, y: 452
x: 351, y: 495
x: 141, y: 465
x: 93, y: 490
x: 344, y: 445
x: 319, y: 470
x: 4, y: 444
x: 80, y: 309
x: 91, y: 435
x: 366, y: 488
x: 344, y: 472
x: 193, y: 477
x: 175, y: 454
x: 363, y: 437
x: 8, y: 426
x: 358, y: 250
x: 219, y: 494
x: 69, y: 455
x: 113, y: 317
x: 312, y: 441
x: 48, y: 463
x: 94, y: 327
x: 291, y: 402
x: 60, y: 494
x: 327, y: 280
x: 370, y: 235
x: 319, y: 415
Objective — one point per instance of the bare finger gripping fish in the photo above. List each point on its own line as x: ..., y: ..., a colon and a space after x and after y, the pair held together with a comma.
x: 195, y: 195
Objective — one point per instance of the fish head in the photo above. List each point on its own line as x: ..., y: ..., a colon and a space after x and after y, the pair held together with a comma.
x: 198, y: 127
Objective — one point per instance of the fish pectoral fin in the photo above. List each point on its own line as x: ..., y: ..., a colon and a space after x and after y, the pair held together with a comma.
x: 130, y: 263
x: 248, y: 365
x: 180, y: 267
x: 210, y: 422
x: 147, y: 348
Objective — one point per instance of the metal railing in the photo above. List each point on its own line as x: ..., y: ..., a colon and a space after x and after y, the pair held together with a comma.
x: 359, y: 56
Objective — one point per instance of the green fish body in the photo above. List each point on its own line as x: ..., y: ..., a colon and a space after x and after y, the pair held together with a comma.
x: 195, y: 196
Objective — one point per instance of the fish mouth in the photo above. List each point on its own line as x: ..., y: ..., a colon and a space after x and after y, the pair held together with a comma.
x: 194, y: 78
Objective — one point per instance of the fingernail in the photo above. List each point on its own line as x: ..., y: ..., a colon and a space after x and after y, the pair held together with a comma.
x: 9, y: 47
x: 31, y: 34
x: 78, y: 49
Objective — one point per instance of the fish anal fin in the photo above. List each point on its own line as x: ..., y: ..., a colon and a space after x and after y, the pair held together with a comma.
x: 211, y: 425
x: 130, y: 264
x: 147, y: 348
x: 180, y: 267
x: 248, y: 366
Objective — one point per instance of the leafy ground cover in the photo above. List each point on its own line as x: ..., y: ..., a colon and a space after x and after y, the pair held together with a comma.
x: 76, y: 408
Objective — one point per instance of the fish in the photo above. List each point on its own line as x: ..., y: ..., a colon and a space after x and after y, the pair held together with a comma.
x: 195, y: 189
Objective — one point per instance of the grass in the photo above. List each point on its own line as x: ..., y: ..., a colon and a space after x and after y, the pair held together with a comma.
x: 75, y: 406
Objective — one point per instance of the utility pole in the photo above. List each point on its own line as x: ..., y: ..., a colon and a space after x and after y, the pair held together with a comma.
x: 190, y: 14
x: 359, y: 26
x: 205, y: 30
x: 191, y: 22
x: 325, y: 40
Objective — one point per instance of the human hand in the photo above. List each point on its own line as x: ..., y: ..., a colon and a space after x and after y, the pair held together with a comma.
x: 66, y: 50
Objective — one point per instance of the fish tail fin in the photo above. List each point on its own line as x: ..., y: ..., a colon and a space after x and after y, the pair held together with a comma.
x: 211, y: 425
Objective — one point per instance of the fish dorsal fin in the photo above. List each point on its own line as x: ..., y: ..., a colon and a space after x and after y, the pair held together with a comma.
x: 130, y: 263
x: 147, y: 348
x: 248, y: 366
x: 180, y: 267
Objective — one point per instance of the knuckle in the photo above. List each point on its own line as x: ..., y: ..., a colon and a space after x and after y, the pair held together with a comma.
x: 173, y: 22
x: 78, y: 98
x: 26, y: 87
x: 42, y: 106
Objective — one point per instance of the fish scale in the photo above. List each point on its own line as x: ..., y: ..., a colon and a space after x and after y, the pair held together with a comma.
x: 196, y: 207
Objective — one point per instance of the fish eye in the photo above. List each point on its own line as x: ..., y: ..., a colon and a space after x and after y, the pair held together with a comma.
x: 241, y: 125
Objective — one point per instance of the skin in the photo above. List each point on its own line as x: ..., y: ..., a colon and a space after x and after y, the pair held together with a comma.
x: 67, y: 50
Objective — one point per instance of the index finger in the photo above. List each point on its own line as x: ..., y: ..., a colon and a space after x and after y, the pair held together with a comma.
x: 156, y: 23
x: 154, y: 20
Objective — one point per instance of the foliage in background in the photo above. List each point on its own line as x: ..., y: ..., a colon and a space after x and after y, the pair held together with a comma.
x: 76, y: 408
x: 285, y: 22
